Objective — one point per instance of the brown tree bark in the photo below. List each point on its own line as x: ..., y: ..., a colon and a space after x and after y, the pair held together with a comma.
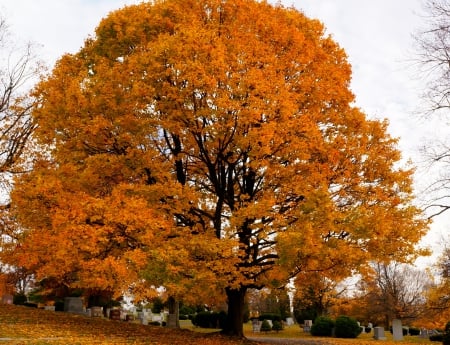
x: 235, y: 316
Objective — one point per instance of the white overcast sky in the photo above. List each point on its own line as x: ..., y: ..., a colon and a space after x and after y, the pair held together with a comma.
x: 377, y: 36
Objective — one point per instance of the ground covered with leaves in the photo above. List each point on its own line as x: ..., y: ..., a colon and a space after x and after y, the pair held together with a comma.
x: 23, y: 325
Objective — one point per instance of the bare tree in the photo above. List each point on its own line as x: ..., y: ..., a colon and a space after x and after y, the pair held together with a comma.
x: 396, y: 291
x: 434, y: 59
x: 19, y: 68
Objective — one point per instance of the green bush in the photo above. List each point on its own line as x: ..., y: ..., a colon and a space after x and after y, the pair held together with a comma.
x: 19, y: 299
x: 347, y: 327
x: 187, y: 310
x: 155, y: 323
x: 414, y: 331
x: 322, y: 327
x: 446, y: 335
x: 59, y: 305
x: 206, y: 319
x: 437, y: 337
x: 269, y: 316
x: 265, y: 326
x: 277, y: 326
x: 305, y: 314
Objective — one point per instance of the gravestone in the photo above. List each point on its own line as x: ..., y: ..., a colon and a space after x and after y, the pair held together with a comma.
x: 378, y: 333
x: 114, y: 314
x: 73, y: 305
x: 397, y: 330
x: 289, y: 321
x: 7, y: 299
x: 307, y: 326
x: 256, y: 325
x: 143, y: 317
x: 172, y: 320
x: 97, y: 312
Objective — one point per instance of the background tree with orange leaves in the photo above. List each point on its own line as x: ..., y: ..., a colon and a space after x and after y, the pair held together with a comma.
x: 209, y: 145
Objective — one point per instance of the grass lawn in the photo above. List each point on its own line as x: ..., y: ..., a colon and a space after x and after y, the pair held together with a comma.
x: 295, y: 332
x: 22, y: 325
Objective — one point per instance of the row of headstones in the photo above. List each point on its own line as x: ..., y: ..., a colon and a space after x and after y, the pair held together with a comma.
x: 397, y: 329
x: 75, y: 305
x: 256, y: 324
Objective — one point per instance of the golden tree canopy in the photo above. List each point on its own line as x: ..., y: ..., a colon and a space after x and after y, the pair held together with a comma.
x: 212, y: 141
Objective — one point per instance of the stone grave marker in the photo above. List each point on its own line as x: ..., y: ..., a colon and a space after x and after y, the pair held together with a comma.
x: 96, y: 311
x: 7, y: 299
x: 256, y: 325
x: 378, y: 333
x: 143, y: 317
x: 114, y: 314
x: 397, y: 330
x: 307, y: 326
x: 73, y: 305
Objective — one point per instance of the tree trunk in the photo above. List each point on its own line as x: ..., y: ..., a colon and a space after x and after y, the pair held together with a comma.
x: 386, y: 321
x: 173, y: 320
x: 235, y: 317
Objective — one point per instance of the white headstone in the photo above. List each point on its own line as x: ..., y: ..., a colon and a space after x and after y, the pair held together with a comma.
x: 256, y: 325
x: 307, y: 326
x: 289, y: 321
x: 397, y: 330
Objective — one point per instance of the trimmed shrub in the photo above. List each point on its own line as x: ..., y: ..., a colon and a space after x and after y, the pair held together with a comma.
x: 347, y: 327
x: 322, y: 327
x: 155, y: 323
x: 277, y: 326
x: 59, y: 305
x: 186, y: 310
x: 265, y: 326
x: 414, y: 331
x: 446, y: 335
x: 437, y: 337
x: 19, y: 299
x: 269, y: 316
x: 206, y: 319
x: 29, y: 304
x: 305, y: 314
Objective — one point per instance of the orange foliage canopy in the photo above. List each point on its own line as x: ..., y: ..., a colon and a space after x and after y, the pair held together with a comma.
x: 209, y: 143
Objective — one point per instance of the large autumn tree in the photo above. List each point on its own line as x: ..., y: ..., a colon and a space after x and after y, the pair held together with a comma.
x: 209, y: 145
